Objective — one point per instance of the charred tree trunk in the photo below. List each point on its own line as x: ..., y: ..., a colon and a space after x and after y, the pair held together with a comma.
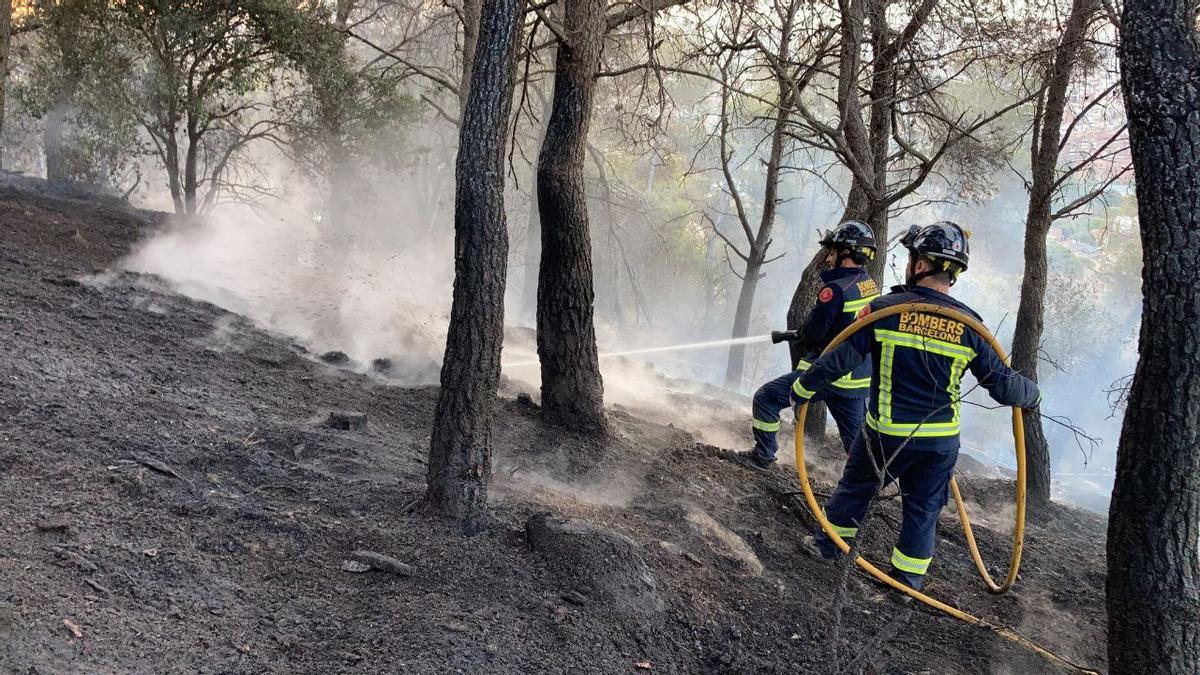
x: 1153, y: 586
x: 572, y: 390
x: 460, y: 451
x: 1047, y: 135
x: 6, y: 9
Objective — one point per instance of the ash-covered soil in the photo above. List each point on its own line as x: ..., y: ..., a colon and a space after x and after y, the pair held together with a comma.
x: 173, y: 502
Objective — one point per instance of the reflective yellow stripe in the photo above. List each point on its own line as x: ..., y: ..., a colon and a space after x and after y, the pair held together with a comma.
x: 961, y: 355
x: 766, y: 426
x: 800, y: 391
x: 926, y: 430
x: 848, y: 382
x: 843, y: 532
x: 854, y: 305
x: 925, y: 344
x: 887, y: 355
x: 911, y: 565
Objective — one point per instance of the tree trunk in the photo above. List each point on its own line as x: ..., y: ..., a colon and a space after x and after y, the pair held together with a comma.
x: 191, y: 157
x: 766, y: 223
x: 6, y: 9
x: 533, y: 235
x: 572, y: 390
x: 882, y: 109
x: 470, y: 18
x: 460, y: 450
x: 53, y: 145
x: 741, y: 322
x: 331, y: 112
x: 1027, y: 336
x: 171, y: 162
x: 1153, y: 586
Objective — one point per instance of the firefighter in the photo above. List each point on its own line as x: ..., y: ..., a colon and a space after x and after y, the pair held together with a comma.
x: 912, y: 426
x: 848, y: 288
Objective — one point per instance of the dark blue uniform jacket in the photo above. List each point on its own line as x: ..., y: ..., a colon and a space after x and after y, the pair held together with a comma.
x: 846, y: 292
x: 919, y: 360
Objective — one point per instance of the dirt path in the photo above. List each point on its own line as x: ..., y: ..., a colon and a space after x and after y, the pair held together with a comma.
x: 174, y: 502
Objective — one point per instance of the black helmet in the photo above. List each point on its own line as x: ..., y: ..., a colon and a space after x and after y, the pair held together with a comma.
x: 942, y: 240
x: 853, y: 235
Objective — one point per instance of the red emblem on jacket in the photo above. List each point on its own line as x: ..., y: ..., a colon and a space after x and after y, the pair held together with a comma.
x: 826, y: 294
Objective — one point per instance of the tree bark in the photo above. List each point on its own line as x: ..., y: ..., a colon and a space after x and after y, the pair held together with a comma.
x: 460, y: 447
x: 6, y: 10
x: 533, y: 235
x: 1027, y: 336
x: 1153, y: 585
x: 572, y: 389
x: 470, y: 18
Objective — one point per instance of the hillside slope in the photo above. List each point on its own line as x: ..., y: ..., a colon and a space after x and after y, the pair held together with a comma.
x: 175, y: 502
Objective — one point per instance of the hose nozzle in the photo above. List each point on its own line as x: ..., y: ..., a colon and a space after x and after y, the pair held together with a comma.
x: 778, y: 336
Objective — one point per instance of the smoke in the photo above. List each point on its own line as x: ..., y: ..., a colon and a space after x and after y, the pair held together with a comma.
x: 377, y: 283
x: 371, y: 293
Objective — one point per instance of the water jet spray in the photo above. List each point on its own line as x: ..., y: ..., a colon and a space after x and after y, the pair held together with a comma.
x: 668, y: 348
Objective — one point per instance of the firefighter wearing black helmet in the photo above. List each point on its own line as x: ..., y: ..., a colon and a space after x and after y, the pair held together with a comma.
x: 914, y: 408
x: 847, y: 289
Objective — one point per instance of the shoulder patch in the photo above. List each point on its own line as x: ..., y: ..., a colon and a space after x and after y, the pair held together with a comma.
x: 826, y: 294
x: 865, y: 311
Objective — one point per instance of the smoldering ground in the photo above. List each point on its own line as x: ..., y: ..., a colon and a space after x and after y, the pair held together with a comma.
x: 381, y: 289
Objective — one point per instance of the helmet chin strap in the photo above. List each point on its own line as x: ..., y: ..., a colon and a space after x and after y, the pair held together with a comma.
x: 912, y: 279
x: 847, y: 254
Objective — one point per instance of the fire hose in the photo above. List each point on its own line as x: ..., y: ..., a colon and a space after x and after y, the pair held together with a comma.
x: 1018, y: 530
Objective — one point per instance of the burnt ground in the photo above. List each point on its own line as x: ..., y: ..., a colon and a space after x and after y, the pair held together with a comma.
x: 172, y: 503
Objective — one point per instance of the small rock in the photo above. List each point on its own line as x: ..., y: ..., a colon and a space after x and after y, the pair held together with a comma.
x: 335, y: 358
x: 269, y: 358
x: 561, y: 614
x: 455, y: 626
x: 526, y: 400
x: 355, y: 566
x: 80, y: 561
x: 575, y: 598
x: 691, y: 557
x: 383, y: 366
x: 346, y: 421
x: 55, y: 523
x: 383, y: 563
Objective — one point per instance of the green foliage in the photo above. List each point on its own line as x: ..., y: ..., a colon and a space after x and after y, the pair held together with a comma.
x: 72, y: 72
x: 194, y: 83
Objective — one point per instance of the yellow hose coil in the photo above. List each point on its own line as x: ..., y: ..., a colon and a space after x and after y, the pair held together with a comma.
x: 1018, y: 530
